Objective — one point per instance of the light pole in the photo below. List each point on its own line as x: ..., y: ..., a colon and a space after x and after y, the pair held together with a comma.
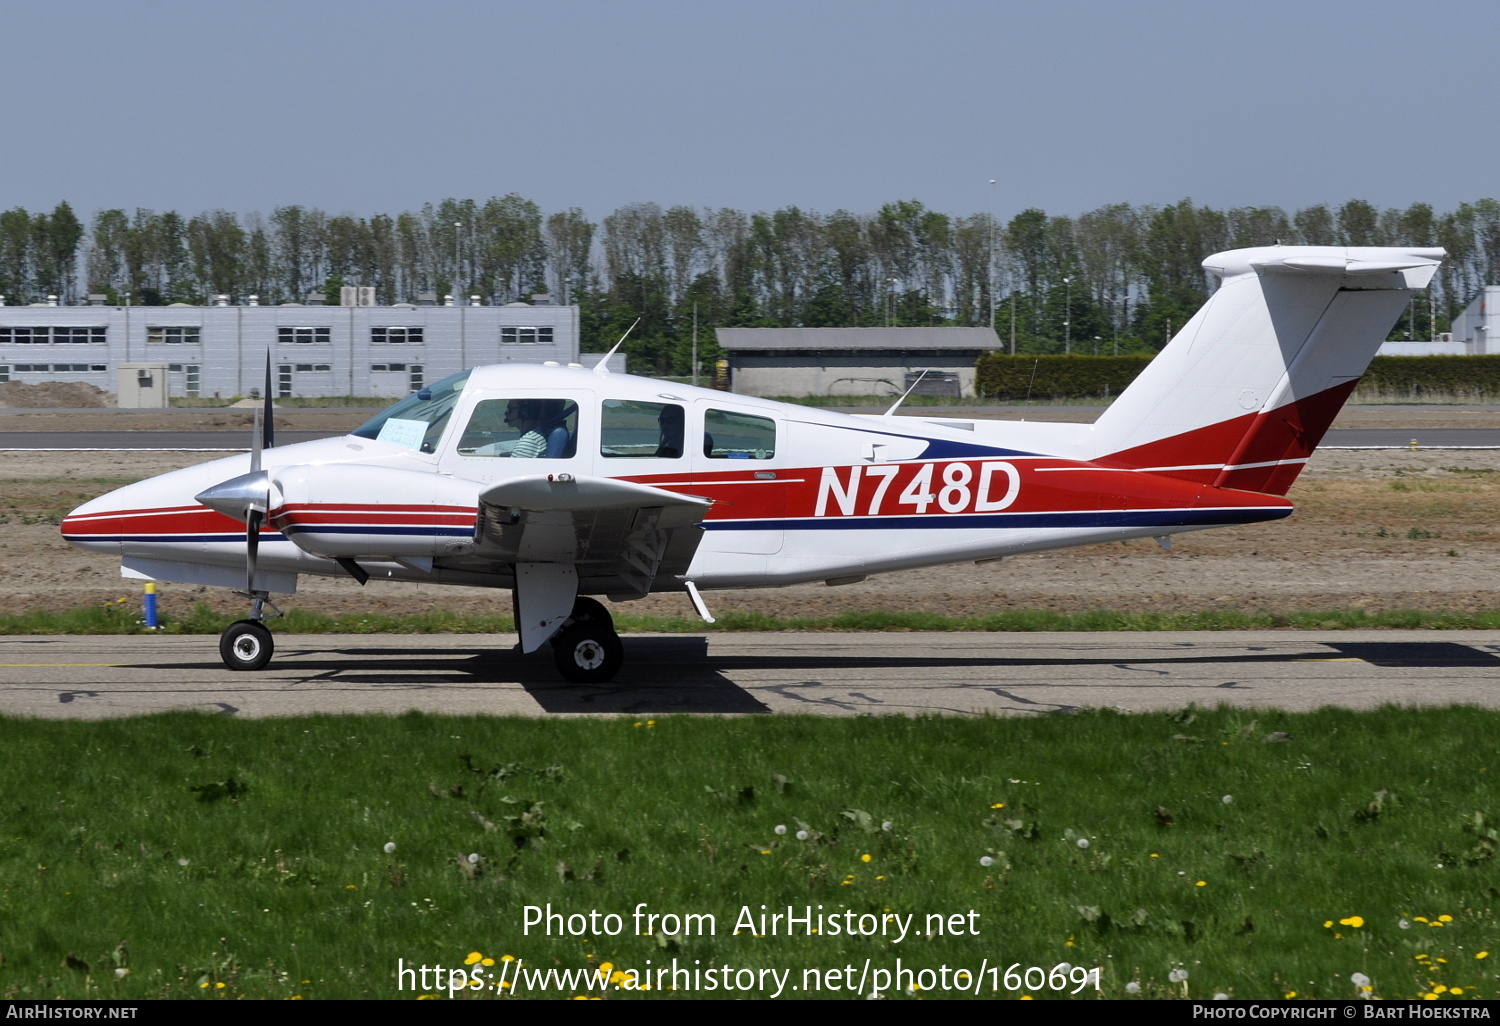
x: 991, y: 270
x: 457, y: 260
x: 1067, y: 315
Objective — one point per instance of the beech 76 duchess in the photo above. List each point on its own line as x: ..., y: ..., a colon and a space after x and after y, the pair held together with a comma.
x: 561, y: 483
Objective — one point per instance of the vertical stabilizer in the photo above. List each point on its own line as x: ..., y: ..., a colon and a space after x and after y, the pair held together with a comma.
x: 1243, y: 394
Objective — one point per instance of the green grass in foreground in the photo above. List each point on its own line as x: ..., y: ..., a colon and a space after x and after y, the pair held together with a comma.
x: 1262, y: 853
x: 124, y: 618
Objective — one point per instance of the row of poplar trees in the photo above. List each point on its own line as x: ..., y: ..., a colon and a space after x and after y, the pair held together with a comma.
x: 1116, y: 279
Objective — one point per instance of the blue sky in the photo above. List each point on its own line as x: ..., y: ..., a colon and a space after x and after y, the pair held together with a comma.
x: 380, y: 106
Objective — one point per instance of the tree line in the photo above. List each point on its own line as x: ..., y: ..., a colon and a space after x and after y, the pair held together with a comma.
x: 1118, y: 279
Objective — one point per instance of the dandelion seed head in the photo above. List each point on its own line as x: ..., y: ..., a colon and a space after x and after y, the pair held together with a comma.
x: 886, y: 826
x: 1177, y: 975
x: 1359, y: 980
x: 801, y: 835
x: 1221, y: 996
x: 1132, y: 987
x: 780, y: 828
x: 390, y: 846
x: 473, y: 857
x: 1227, y: 799
x: 986, y: 861
x: 1083, y: 842
x: 182, y: 862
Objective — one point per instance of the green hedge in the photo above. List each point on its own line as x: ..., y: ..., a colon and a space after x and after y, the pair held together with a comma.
x: 999, y: 376
x: 1416, y: 376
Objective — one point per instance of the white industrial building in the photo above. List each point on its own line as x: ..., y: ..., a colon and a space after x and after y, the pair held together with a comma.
x: 1477, y: 329
x: 316, y: 350
x: 854, y: 361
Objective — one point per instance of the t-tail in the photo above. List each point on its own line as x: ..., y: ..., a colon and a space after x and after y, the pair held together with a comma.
x: 1245, y: 391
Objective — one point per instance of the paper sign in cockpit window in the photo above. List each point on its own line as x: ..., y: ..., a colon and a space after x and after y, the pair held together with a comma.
x: 406, y: 433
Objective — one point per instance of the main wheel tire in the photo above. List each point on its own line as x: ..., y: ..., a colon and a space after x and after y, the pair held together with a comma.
x: 592, y: 611
x: 246, y: 645
x: 587, y: 654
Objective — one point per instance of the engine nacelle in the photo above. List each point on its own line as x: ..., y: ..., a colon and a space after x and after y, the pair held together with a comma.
x: 342, y: 510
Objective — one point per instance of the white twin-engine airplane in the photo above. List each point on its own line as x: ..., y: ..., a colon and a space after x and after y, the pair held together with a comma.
x: 561, y: 483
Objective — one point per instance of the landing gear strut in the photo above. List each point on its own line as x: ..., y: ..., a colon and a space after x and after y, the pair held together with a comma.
x: 247, y: 644
x: 587, y: 650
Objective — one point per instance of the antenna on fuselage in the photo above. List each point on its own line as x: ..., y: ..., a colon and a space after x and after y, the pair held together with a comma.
x: 602, y: 367
x: 891, y: 412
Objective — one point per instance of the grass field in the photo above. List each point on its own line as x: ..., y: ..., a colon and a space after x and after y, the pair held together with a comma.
x: 1260, y: 855
x: 124, y: 617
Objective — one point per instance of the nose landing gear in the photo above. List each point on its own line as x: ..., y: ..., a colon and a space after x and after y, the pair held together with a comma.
x: 246, y: 644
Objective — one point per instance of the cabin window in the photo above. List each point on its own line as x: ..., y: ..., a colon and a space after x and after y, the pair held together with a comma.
x: 738, y: 436
x: 522, y: 429
x: 636, y: 430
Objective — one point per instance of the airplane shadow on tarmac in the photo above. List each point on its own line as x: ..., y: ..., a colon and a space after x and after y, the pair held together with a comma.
x: 678, y: 674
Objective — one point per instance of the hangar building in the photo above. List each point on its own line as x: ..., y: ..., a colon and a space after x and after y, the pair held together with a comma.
x: 853, y: 361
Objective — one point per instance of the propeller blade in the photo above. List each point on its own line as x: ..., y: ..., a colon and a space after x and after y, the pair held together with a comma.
x: 252, y: 546
x: 255, y: 437
x: 268, y: 439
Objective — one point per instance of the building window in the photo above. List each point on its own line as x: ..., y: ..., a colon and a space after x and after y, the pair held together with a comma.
x: 397, y: 336
x: 190, y: 377
x: 4, y: 373
x: 56, y: 368
x: 526, y: 336
x: 304, y: 336
x: 41, y: 335
x: 388, y: 367
x: 174, y: 334
x: 417, y: 378
x: 283, y: 380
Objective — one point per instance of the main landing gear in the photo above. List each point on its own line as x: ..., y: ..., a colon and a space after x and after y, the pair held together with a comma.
x: 247, y: 644
x: 587, y: 650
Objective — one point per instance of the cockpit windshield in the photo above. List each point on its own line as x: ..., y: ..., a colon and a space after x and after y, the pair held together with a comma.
x: 417, y: 422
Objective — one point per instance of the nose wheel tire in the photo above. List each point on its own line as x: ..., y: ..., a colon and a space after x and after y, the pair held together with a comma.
x: 587, y: 653
x: 246, y: 645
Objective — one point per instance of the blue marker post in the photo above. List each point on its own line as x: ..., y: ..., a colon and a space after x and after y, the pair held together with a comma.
x: 151, y: 606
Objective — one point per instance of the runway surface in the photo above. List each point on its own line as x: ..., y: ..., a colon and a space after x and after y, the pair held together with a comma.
x: 1384, y: 438
x: 93, y: 677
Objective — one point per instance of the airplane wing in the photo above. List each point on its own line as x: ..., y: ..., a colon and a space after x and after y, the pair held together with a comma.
x: 569, y: 534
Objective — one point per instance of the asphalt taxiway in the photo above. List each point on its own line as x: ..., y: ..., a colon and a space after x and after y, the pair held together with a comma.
x: 966, y: 674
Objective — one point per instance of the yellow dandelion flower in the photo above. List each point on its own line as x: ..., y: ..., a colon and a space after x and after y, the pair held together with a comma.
x: 505, y: 985
x: 880, y: 878
x: 1201, y: 883
x: 350, y: 887
x: 486, y: 961
x: 473, y: 957
x: 1445, y: 919
x: 507, y: 958
x: 426, y: 997
x: 1429, y: 997
x: 998, y: 805
x: 1367, y: 988
x: 606, y: 967
x: 864, y: 858
x: 1419, y: 919
x: 1420, y: 958
x: 203, y: 985
x: 1440, y: 989
x: 1455, y: 990
x: 650, y: 723
x: 1442, y: 959
x: 1155, y: 856
x: 1482, y: 954
x: 1291, y: 994
x: 1354, y: 921
x: 219, y: 985
x: 1328, y: 924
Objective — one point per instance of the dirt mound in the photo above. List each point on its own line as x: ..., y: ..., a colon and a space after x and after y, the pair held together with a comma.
x: 71, y: 395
